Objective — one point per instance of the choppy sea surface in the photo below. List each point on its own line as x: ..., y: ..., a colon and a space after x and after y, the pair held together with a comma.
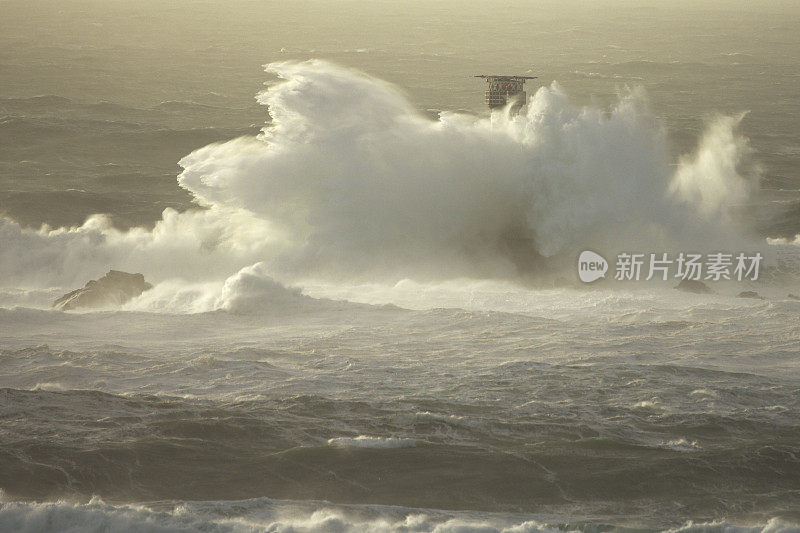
x: 426, y: 359
x: 517, y: 411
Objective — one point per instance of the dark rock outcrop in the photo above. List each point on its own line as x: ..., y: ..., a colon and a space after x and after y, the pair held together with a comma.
x: 750, y: 294
x: 693, y: 285
x: 113, y: 289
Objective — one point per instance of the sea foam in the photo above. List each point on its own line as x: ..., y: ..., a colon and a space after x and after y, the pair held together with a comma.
x: 350, y: 181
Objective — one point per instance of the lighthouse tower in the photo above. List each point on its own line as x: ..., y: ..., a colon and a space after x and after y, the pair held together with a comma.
x: 505, y: 90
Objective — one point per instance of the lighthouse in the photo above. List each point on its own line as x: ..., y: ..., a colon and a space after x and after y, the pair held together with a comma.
x: 505, y: 90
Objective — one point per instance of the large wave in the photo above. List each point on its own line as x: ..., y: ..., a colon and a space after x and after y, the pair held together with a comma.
x: 349, y: 180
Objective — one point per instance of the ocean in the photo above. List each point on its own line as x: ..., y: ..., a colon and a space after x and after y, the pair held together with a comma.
x: 366, y: 312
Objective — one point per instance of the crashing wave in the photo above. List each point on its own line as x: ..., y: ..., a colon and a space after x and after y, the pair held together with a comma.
x: 350, y: 181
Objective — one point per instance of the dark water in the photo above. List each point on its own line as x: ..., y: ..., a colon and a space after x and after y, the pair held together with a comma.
x: 655, y: 421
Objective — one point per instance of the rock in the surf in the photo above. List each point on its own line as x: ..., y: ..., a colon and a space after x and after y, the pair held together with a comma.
x: 113, y: 289
x: 693, y: 285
